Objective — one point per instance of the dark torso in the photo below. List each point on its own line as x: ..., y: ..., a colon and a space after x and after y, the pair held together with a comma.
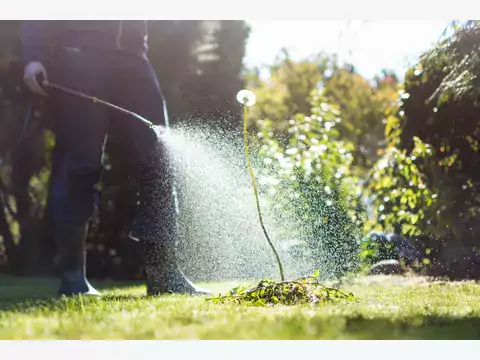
x: 126, y: 35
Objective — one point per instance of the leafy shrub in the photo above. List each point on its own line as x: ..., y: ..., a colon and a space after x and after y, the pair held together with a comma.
x: 309, y: 178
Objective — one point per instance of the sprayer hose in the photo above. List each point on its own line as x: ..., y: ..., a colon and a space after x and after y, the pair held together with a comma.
x: 245, y: 144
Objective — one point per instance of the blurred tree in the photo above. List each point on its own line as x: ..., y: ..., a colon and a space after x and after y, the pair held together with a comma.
x: 172, y: 45
x: 287, y: 92
x: 363, y: 105
x: 24, y: 154
x: 287, y: 89
x: 212, y: 89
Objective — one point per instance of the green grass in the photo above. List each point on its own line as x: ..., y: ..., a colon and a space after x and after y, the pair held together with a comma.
x: 388, y: 308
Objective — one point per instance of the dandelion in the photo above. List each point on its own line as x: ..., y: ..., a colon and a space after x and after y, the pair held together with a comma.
x: 246, y: 97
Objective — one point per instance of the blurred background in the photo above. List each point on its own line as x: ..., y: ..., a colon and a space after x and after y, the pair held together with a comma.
x: 380, y: 119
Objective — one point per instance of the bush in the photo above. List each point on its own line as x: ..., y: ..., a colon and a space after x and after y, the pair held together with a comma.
x: 309, y: 178
x: 427, y: 180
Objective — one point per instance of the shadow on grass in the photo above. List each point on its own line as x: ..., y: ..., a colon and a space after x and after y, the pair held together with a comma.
x: 20, y: 288
x: 59, y: 303
x: 428, y: 327
x: 352, y: 327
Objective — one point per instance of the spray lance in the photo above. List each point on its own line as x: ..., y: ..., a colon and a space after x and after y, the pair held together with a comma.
x: 99, y: 101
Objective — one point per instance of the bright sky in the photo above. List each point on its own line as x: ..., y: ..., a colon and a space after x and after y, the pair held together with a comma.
x: 368, y: 45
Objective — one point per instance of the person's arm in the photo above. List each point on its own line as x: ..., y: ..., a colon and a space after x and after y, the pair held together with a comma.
x: 36, y: 36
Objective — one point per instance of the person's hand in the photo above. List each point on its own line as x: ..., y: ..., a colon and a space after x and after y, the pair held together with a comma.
x: 30, y: 73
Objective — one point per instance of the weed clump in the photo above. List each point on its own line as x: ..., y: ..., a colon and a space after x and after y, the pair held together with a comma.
x: 304, y: 290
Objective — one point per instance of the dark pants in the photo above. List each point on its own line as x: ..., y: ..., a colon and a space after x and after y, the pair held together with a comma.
x: 125, y: 80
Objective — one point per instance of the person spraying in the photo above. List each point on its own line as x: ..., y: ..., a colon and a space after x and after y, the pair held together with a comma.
x: 107, y: 59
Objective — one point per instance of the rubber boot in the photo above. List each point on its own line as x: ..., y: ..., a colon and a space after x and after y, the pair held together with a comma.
x: 155, y: 227
x: 163, y: 274
x: 70, y: 241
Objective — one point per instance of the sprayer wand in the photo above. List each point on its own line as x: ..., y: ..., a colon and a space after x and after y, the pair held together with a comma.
x: 97, y: 100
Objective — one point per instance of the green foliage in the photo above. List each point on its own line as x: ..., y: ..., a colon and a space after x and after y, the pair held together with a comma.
x: 305, y: 290
x: 288, y: 90
x: 399, y: 192
x: 375, y: 248
x: 363, y: 106
x: 438, y: 125
x: 310, y: 179
x: 396, y: 186
x: 426, y: 181
x: 457, y: 59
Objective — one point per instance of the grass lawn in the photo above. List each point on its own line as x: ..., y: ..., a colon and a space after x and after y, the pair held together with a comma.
x: 388, y: 308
